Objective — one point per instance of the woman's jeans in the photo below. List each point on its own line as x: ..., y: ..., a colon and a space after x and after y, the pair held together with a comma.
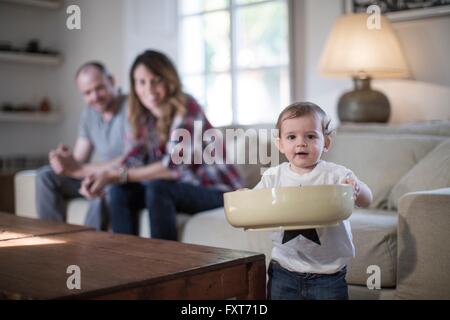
x: 287, y: 285
x: 163, y: 199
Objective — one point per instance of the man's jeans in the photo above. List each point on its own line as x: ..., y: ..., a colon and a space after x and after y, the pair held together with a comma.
x: 52, y: 193
x: 286, y: 285
x: 163, y: 199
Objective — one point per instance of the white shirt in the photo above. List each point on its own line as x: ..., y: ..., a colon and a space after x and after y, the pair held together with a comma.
x: 301, y: 254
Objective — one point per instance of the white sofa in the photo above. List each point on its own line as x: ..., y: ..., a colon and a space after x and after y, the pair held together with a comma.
x: 25, y: 202
x: 404, y: 232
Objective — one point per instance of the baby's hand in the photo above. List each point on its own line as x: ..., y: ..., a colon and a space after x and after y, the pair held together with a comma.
x: 355, y: 185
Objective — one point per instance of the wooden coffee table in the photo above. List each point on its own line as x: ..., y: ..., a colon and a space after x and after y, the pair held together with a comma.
x: 14, y: 227
x: 116, y: 266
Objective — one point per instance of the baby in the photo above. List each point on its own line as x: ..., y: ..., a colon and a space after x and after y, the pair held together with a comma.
x: 311, y: 263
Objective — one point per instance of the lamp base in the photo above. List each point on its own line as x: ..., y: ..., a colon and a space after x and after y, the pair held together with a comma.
x: 363, y: 104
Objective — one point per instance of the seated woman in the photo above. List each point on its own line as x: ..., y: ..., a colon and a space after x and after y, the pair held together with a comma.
x: 151, y: 174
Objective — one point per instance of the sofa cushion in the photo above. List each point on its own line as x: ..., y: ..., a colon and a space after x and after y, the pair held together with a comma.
x: 380, y: 160
x: 432, y: 127
x: 144, y: 223
x: 77, y: 210
x: 375, y: 239
x: 423, y: 245
x: 252, y: 150
x: 432, y: 172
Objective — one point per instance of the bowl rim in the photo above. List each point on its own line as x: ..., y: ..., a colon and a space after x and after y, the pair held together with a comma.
x: 292, y: 226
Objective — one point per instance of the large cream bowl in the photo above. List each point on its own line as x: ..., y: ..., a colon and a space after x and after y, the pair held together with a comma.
x: 289, y: 208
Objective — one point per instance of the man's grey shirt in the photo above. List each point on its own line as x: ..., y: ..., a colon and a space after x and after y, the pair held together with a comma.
x: 107, y: 138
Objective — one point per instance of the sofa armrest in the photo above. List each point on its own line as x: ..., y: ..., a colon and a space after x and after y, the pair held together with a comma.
x: 423, y: 240
x: 25, y: 193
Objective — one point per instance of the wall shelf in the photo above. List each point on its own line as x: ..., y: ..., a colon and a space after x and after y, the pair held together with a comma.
x: 35, y: 58
x: 30, y: 117
x: 46, y: 4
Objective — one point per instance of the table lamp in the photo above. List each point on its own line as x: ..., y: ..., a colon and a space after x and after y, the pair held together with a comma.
x: 353, y: 49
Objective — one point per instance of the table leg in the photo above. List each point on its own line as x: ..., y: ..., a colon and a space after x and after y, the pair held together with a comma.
x: 256, y: 275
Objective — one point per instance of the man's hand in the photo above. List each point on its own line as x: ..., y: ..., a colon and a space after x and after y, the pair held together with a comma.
x: 62, y: 161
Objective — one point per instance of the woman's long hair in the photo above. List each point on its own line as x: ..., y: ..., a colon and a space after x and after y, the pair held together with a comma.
x: 173, y: 103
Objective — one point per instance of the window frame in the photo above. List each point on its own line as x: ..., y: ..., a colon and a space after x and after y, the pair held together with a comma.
x: 234, y: 69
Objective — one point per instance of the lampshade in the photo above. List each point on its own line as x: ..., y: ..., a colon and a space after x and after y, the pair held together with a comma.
x: 353, y: 48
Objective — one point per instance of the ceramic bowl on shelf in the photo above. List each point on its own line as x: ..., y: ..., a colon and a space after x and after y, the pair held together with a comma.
x: 289, y: 208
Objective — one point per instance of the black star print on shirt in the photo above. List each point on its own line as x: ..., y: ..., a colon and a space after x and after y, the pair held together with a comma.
x: 310, y: 234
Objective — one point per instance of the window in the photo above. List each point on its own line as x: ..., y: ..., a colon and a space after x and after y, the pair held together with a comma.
x: 234, y: 58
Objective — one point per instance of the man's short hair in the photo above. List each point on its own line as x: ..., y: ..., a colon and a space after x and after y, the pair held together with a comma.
x: 93, y: 64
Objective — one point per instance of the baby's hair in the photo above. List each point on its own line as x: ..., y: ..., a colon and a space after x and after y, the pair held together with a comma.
x: 300, y: 109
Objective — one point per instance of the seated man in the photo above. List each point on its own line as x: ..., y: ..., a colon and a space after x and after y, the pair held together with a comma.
x: 101, y: 128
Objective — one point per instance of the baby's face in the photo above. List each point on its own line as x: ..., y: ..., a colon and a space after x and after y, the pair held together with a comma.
x: 302, y: 141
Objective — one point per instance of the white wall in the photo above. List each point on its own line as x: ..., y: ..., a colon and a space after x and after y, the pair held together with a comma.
x: 149, y: 24
x: 27, y: 83
x: 153, y: 24
x: 115, y: 31
x: 112, y: 31
x: 101, y: 37
x: 424, y: 97
x: 318, y: 17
